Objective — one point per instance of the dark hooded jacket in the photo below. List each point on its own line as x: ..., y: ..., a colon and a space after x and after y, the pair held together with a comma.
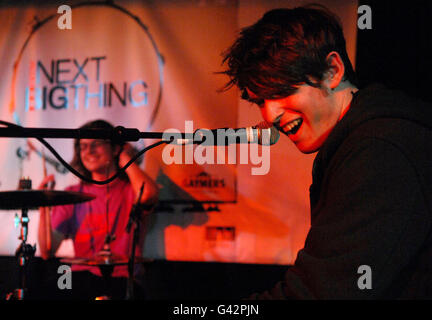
x: 371, y: 200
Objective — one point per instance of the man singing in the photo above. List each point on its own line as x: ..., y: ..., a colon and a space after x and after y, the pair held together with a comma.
x: 371, y: 195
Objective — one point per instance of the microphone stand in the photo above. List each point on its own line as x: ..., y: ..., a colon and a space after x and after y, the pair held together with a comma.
x: 119, y: 133
x: 134, y: 218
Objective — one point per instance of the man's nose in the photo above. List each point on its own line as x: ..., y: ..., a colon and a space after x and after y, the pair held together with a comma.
x: 270, y: 111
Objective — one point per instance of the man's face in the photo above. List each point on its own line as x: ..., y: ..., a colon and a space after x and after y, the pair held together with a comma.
x: 306, y: 117
x: 96, y: 155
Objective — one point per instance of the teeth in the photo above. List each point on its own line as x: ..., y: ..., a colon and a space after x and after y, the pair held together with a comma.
x: 292, y: 124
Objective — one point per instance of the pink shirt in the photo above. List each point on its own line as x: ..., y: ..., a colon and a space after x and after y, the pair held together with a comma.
x: 87, y: 223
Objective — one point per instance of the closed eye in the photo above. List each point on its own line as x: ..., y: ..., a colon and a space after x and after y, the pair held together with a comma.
x: 257, y: 101
x: 276, y: 121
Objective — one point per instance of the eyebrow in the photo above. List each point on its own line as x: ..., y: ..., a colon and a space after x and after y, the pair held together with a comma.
x: 245, y: 96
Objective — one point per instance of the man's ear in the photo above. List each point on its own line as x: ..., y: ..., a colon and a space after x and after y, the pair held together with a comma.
x: 336, y: 70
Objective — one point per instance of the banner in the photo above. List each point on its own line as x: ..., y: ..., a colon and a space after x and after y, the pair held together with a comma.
x: 153, y: 67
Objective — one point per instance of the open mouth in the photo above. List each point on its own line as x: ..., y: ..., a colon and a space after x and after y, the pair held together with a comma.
x: 293, y: 126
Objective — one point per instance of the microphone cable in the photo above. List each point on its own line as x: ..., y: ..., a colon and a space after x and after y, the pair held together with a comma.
x: 78, y: 174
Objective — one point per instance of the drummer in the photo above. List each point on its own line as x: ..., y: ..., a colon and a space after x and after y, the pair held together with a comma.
x: 95, y: 224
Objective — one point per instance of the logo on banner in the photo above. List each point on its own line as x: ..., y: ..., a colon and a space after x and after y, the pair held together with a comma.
x: 90, y: 67
x: 70, y: 85
x: 203, y: 180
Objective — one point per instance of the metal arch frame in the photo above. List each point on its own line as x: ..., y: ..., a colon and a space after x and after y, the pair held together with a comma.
x: 109, y: 4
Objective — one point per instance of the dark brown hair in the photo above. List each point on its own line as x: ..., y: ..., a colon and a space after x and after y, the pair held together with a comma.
x: 286, y: 48
x: 76, y: 161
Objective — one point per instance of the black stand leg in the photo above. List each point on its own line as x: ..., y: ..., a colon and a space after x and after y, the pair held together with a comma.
x: 135, y: 219
x: 24, y: 254
x: 106, y: 276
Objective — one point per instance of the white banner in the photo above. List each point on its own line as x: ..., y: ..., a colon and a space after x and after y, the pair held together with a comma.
x: 153, y: 67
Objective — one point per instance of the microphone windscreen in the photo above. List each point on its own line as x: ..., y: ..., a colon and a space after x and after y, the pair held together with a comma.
x: 268, y: 135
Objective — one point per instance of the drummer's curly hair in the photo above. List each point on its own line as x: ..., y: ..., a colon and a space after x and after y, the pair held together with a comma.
x: 76, y: 161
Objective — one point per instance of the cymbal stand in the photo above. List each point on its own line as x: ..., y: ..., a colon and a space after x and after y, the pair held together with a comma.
x: 134, y: 218
x: 25, y: 252
x: 107, y: 268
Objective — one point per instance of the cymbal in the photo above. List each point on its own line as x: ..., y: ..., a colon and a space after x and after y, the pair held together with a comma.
x: 102, y: 260
x: 33, y: 199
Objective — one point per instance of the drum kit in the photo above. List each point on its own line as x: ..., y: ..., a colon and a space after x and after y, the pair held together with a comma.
x: 25, y: 199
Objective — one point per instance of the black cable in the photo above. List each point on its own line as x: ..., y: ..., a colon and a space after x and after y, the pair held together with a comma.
x: 78, y: 174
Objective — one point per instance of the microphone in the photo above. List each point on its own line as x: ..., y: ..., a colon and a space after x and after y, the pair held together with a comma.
x: 262, y: 133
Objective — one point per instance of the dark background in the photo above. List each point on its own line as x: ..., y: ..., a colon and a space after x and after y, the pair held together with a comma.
x: 395, y: 52
x: 163, y: 280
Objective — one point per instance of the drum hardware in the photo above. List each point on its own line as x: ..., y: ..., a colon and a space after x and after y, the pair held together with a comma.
x: 33, y: 199
x: 106, y: 260
x: 25, y: 252
x: 25, y: 199
x: 135, y: 220
x: 98, y: 260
